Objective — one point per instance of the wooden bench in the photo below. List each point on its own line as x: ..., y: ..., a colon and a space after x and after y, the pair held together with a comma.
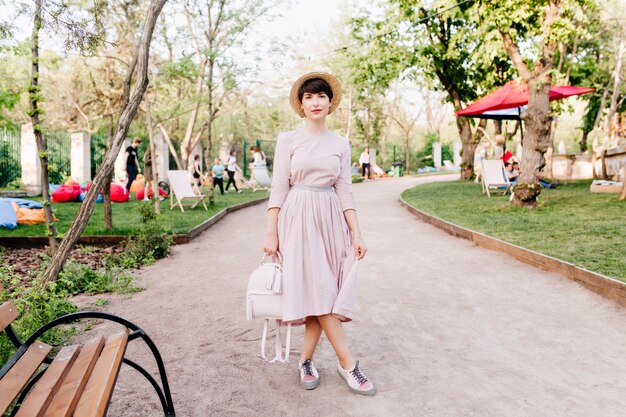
x: 79, y: 380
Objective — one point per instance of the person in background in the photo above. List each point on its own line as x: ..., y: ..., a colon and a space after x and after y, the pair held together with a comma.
x: 511, y: 173
x: 132, y: 162
x: 217, y: 170
x: 197, y: 174
x: 259, y: 156
x: 231, y: 167
x: 364, y: 161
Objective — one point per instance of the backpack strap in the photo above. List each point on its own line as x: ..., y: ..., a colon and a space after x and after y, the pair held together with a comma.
x: 279, y: 342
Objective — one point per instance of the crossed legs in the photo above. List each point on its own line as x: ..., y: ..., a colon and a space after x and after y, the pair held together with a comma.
x: 333, y: 329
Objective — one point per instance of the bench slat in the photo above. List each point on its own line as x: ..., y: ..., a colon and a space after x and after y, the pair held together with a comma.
x: 64, y: 402
x: 20, y: 373
x: 8, y: 313
x: 95, y: 399
x: 38, y: 399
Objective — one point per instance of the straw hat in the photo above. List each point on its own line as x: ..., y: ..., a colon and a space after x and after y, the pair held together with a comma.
x: 333, y: 82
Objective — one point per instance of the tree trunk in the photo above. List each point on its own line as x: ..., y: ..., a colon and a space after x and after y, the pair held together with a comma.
x: 468, y: 148
x: 34, y: 99
x: 106, y: 189
x: 153, y: 157
x: 407, y: 153
x: 127, y: 114
x: 207, y: 150
x: 497, y: 125
x: 536, y: 142
x: 617, y: 79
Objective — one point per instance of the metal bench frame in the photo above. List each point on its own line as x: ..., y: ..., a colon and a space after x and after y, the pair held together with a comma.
x: 162, y: 391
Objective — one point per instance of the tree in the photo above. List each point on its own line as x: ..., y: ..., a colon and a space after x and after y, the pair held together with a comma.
x: 547, y: 22
x: 443, y: 44
x: 223, y: 24
x: 130, y: 104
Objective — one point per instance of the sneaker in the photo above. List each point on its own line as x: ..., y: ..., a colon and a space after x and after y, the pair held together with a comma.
x: 239, y: 191
x: 356, y: 380
x: 309, y: 378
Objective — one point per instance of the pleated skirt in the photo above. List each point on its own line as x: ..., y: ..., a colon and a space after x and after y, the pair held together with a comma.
x: 319, y: 265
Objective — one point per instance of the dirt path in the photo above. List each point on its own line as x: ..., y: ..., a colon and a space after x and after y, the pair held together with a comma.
x: 444, y: 329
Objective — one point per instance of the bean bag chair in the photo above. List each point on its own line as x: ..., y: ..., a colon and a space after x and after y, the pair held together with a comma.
x: 21, y: 202
x: 119, y: 194
x: 8, y: 217
x: 81, y: 197
x: 30, y: 216
x: 138, y: 184
x: 53, y: 187
x: 66, y: 193
x: 139, y: 194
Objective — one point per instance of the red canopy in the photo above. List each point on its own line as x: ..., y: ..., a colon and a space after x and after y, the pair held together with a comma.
x: 515, y: 94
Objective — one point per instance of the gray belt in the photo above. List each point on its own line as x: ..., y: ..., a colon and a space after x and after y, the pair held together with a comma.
x: 311, y: 187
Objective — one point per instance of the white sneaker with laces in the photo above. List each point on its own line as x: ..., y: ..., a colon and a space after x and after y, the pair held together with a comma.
x: 309, y: 378
x: 356, y: 380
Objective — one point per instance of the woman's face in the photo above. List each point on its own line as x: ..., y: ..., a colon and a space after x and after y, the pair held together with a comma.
x: 315, y: 105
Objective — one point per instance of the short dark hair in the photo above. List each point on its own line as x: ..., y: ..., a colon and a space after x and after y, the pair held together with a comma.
x: 197, y: 156
x: 315, y: 86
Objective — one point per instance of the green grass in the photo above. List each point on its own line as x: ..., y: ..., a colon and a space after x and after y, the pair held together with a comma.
x: 572, y: 224
x: 126, y: 216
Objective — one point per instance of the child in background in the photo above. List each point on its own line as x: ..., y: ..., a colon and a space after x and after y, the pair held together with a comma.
x: 218, y: 170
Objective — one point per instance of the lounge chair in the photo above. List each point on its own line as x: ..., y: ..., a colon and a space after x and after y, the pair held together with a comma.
x: 494, y: 176
x: 262, y: 177
x: 450, y: 166
x: 182, y: 191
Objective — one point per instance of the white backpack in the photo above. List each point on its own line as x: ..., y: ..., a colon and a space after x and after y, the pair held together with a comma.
x: 265, y: 300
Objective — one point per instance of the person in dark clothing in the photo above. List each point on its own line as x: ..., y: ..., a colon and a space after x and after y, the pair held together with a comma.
x: 132, y: 162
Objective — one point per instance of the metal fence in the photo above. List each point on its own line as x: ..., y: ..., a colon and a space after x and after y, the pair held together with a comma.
x: 59, y: 147
x: 10, y: 165
x: 98, y: 149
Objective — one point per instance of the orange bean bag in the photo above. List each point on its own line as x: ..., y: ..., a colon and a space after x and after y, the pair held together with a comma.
x: 138, y: 184
x: 66, y: 193
x: 139, y: 194
x: 30, y: 216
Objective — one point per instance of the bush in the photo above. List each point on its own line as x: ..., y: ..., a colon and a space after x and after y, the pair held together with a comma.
x: 76, y: 278
x: 149, y: 242
x: 425, y: 155
x: 37, y: 306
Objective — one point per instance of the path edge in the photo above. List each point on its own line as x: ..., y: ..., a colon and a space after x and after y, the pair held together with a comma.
x: 42, y: 241
x: 607, y: 287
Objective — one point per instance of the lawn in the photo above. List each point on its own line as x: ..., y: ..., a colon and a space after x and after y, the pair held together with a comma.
x: 572, y: 224
x: 126, y: 216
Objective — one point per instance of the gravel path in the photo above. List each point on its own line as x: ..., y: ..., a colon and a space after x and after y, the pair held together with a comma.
x: 444, y: 328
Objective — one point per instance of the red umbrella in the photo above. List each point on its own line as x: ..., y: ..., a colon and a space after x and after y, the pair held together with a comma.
x: 506, y: 102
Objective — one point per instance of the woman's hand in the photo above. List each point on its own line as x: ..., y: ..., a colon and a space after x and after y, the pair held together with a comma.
x: 359, y: 248
x: 270, y: 247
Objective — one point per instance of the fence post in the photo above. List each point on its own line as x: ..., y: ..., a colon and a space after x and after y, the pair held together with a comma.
x: 80, y: 168
x: 29, y: 159
x: 162, y: 157
x: 437, y: 154
x: 245, y: 159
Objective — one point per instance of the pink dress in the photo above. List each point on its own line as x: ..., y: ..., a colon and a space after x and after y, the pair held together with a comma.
x: 312, y: 186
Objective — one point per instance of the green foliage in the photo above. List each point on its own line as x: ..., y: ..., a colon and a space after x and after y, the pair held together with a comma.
x: 425, y: 155
x: 148, y: 242
x: 76, y: 278
x: 37, y: 306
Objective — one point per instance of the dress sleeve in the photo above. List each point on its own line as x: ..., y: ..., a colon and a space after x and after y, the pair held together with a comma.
x: 281, y: 174
x: 343, y: 185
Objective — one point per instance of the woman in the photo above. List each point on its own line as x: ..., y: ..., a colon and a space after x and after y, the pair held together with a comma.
x: 197, y: 173
x: 258, y: 155
x: 231, y: 167
x: 313, y: 223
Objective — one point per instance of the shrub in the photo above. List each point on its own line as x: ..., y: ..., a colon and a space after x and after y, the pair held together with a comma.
x: 37, y: 306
